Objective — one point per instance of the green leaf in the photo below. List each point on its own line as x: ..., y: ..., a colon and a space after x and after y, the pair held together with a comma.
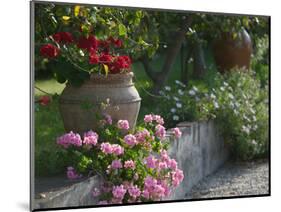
x: 122, y: 30
x: 54, y: 21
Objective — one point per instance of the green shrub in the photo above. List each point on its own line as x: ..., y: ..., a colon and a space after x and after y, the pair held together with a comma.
x: 236, y: 101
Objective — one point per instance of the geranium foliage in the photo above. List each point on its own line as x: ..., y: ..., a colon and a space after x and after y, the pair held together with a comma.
x: 134, y: 165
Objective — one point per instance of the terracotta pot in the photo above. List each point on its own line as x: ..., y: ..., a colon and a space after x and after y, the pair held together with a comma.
x: 79, y: 105
x: 230, y: 53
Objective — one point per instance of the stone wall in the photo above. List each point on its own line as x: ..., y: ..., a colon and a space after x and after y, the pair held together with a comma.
x: 199, y: 152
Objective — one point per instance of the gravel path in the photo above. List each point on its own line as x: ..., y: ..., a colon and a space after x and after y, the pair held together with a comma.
x: 234, y: 179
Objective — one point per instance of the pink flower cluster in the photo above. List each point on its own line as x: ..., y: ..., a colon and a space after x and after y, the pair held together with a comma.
x: 90, y: 138
x: 72, y: 174
x: 119, y: 192
x: 108, y: 119
x: 177, y: 177
x: 170, y: 163
x: 142, y: 135
x: 164, y: 162
x: 129, y: 164
x: 130, y: 160
x: 134, y: 191
x: 69, y: 139
x: 150, y: 117
x: 154, y: 189
x: 130, y: 140
x: 108, y: 148
x: 177, y: 132
x: 116, y: 164
x: 160, y: 131
x: 151, y: 162
x: 123, y: 124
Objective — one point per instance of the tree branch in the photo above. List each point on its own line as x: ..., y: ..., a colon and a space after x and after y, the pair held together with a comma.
x: 172, y: 52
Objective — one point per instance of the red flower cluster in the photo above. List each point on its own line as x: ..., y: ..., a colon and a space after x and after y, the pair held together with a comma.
x: 105, y: 58
x: 90, y: 43
x: 120, y: 63
x: 93, y: 58
x: 63, y: 37
x: 49, y: 51
x: 44, y: 100
x: 98, y: 50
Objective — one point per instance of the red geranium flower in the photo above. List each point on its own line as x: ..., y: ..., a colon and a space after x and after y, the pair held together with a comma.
x: 63, y: 37
x: 90, y: 43
x: 49, y: 51
x: 93, y: 58
x: 44, y: 100
x: 104, y: 43
x: 120, y: 63
x: 118, y: 43
x: 105, y: 58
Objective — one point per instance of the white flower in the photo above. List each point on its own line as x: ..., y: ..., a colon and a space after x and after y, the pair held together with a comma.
x: 180, y: 92
x: 173, y: 110
x: 252, y: 111
x: 176, y: 118
x: 216, y: 105
x: 195, y: 89
x: 213, y: 96
x: 254, y: 142
x: 222, y: 88
x: 236, y: 112
x: 225, y: 83
x: 237, y: 104
x: 81, y: 53
x: 167, y: 88
x: 246, y: 118
x: 190, y: 60
x: 180, y: 83
x: 191, y: 92
x: 246, y: 129
x: 230, y: 96
x: 176, y: 98
x: 254, y: 118
x: 179, y: 105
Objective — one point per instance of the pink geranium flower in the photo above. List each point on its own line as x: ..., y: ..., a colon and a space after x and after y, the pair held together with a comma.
x: 177, y: 132
x: 123, y: 124
x: 130, y: 140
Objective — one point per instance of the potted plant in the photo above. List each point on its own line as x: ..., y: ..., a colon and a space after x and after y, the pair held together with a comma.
x: 232, y: 50
x: 98, y: 79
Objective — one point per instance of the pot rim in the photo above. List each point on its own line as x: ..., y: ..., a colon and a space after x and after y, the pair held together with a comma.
x: 122, y: 76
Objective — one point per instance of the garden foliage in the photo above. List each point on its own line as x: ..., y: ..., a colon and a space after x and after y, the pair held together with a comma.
x: 236, y: 101
x: 134, y: 165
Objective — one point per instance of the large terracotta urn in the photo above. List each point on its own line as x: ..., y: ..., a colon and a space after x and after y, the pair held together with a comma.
x: 114, y: 95
x: 232, y: 52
